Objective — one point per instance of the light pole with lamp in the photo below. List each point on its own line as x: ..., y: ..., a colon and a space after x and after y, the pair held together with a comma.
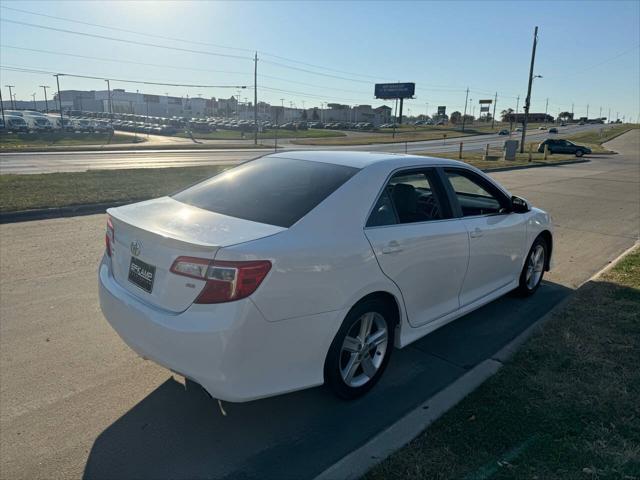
x: 46, y: 104
x: 13, y: 105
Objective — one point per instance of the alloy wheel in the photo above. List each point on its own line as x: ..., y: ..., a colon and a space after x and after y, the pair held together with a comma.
x: 363, y: 349
x: 535, y: 267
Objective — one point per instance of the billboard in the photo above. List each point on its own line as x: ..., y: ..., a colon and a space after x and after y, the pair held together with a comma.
x: 151, y: 98
x: 484, y: 102
x: 442, y: 110
x: 395, y: 90
x: 484, y: 108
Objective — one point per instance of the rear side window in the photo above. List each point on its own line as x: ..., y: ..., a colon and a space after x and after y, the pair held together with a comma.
x: 271, y: 190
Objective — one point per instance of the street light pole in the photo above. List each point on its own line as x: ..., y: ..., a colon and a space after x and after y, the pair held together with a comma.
x: 2, y: 109
x: 527, y: 102
x: 464, y: 115
x: 35, y: 106
x: 46, y: 104
x: 13, y: 105
x: 493, y: 117
x: 57, y: 75
x: 546, y: 109
x: 109, y: 105
x: 255, y: 99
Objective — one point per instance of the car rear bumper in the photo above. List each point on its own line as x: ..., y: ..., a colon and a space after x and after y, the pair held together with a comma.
x: 228, y: 348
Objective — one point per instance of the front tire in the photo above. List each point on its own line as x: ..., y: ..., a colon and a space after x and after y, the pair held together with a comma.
x: 579, y: 153
x: 533, y: 269
x: 360, y: 350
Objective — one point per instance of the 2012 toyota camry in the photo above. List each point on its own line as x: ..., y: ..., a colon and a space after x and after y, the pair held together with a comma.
x: 304, y: 268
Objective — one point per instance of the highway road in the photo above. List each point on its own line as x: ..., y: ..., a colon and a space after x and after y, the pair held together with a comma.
x: 76, y: 402
x: 80, y: 161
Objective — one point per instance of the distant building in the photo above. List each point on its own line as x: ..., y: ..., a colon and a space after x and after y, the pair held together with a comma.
x: 533, y: 118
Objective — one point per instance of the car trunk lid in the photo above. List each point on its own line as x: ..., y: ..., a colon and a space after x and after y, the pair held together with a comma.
x: 150, y: 235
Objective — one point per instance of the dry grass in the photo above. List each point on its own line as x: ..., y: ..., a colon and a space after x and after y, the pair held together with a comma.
x: 567, y: 406
x: 24, y: 192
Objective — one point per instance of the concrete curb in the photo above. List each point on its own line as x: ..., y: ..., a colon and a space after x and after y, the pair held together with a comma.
x: 535, y: 165
x: 360, y: 461
x: 58, y: 212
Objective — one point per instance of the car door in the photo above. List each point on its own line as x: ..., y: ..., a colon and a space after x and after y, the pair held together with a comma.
x: 419, y: 244
x: 496, y: 235
x: 562, y: 146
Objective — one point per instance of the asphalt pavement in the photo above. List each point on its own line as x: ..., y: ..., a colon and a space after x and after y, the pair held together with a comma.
x: 46, y: 162
x: 76, y: 402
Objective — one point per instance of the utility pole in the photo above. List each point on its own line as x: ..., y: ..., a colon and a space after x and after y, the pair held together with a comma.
x: 527, y: 102
x: 600, y: 114
x: 46, y: 104
x: 587, y: 111
x: 35, y: 105
x: 493, y: 118
x: 546, y: 109
x: 109, y: 106
x: 426, y: 112
x: 57, y: 75
x: 255, y: 99
x: 464, y: 115
x: 2, y: 109
x: 609, y: 116
x: 571, y: 111
x: 13, y: 105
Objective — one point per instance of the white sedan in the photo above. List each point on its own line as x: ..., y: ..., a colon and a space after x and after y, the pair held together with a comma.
x: 304, y: 268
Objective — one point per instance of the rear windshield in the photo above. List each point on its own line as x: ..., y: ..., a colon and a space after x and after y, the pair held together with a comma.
x: 271, y: 190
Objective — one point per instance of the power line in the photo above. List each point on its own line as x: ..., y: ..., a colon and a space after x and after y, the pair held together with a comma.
x: 263, y: 53
x: 92, y: 77
x: 87, y: 57
x: 117, y: 29
x: 629, y: 50
x: 121, y: 40
x: 117, y: 60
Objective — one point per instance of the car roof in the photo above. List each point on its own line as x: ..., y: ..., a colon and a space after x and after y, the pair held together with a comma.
x: 364, y: 159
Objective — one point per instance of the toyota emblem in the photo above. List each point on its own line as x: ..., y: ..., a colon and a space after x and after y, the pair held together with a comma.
x: 136, y: 247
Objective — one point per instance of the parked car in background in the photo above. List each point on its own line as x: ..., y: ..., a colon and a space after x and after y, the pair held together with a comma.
x: 16, y: 124
x: 553, y: 130
x: 303, y: 268
x: 563, y: 146
x: 504, y: 132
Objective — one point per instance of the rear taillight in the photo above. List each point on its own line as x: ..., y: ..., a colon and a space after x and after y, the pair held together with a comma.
x: 109, y: 237
x: 225, y: 281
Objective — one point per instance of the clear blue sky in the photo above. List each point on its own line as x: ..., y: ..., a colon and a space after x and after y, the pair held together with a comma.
x: 588, y: 51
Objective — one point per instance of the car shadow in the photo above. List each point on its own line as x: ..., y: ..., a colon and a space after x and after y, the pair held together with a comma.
x: 178, y: 431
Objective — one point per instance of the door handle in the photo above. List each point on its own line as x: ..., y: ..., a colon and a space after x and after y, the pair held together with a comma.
x: 392, y: 247
x: 476, y: 233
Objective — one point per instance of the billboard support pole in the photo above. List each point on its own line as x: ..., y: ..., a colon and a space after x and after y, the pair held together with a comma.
x: 400, y: 116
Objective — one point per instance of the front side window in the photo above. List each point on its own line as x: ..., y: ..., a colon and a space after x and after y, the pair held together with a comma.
x: 271, y: 190
x: 475, y: 196
x: 409, y: 197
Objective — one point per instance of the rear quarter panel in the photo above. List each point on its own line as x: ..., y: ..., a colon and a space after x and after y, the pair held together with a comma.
x: 324, y: 262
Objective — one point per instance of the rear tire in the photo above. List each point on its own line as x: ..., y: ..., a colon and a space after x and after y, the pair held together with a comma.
x: 579, y: 153
x: 533, y: 269
x: 361, y: 349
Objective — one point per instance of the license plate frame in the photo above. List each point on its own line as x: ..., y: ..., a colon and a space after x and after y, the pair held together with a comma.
x: 141, y: 274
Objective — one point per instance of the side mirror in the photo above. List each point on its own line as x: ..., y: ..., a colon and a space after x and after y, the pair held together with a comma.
x: 519, y: 205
